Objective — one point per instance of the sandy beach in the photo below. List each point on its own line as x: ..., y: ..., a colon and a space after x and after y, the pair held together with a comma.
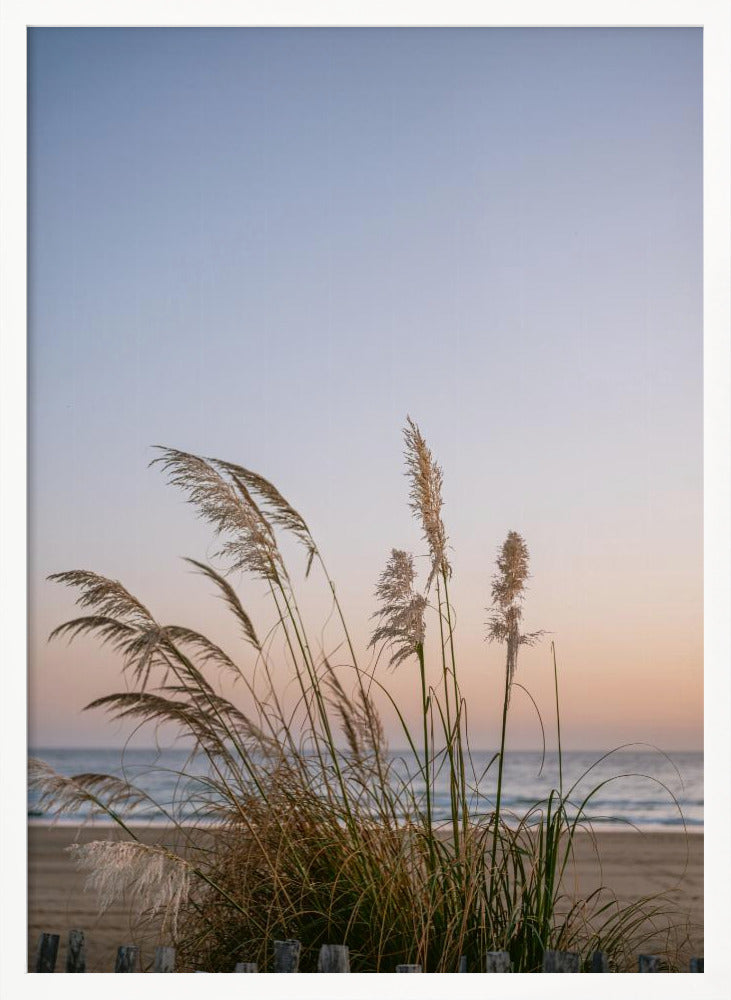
x: 632, y: 864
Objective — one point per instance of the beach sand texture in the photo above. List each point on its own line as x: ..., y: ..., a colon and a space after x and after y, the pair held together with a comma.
x: 632, y: 864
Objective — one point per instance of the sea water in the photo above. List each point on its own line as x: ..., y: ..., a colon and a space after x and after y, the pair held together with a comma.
x: 634, y: 787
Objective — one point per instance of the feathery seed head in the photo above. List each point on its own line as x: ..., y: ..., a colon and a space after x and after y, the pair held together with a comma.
x: 228, y: 505
x: 425, y: 497
x: 401, y: 615
x: 397, y: 580
x: 99, y: 793
x: 512, y: 563
x: 108, y: 597
x: 278, y: 511
x: 159, y: 880
x: 507, y: 592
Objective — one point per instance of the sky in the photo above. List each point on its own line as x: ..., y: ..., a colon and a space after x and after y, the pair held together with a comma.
x: 272, y: 245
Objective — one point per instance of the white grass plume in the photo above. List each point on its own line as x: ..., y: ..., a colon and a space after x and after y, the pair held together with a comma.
x: 507, y: 593
x: 119, y: 620
x: 101, y: 793
x: 401, y: 615
x: 425, y: 497
x: 230, y: 598
x: 228, y: 506
x: 271, y: 501
x: 158, y: 879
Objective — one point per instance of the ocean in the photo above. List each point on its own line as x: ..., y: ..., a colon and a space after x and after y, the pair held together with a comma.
x: 636, y: 787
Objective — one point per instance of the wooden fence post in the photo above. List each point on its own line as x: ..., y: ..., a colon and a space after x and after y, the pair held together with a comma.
x: 408, y: 968
x: 696, y: 965
x: 76, y: 953
x: 561, y: 961
x: 648, y: 963
x: 333, y: 958
x: 497, y: 961
x: 599, y: 962
x: 246, y: 967
x: 47, y: 953
x: 164, y: 960
x: 462, y: 963
x: 287, y: 955
x: 127, y: 957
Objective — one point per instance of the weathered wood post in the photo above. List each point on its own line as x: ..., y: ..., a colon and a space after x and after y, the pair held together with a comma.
x: 76, y: 953
x: 561, y: 961
x: 462, y: 963
x: 408, y: 968
x: 696, y: 965
x: 47, y: 953
x: 648, y: 963
x: 287, y: 955
x: 127, y: 958
x: 164, y: 959
x: 246, y: 967
x: 497, y: 961
x: 334, y: 958
x: 599, y: 962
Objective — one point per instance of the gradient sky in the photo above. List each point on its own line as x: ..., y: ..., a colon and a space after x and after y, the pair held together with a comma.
x: 273, y: 245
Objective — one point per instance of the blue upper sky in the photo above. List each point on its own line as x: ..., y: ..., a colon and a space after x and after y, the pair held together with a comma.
x: 271, y: 245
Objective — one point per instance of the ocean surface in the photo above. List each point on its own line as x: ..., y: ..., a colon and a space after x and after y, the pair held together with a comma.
x: 632, y: 788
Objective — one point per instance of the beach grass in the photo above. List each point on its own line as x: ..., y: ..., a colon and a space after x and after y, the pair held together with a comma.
x: 317, y: 836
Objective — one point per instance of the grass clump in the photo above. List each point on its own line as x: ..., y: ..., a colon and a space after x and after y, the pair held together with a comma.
x: 318, y: 834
